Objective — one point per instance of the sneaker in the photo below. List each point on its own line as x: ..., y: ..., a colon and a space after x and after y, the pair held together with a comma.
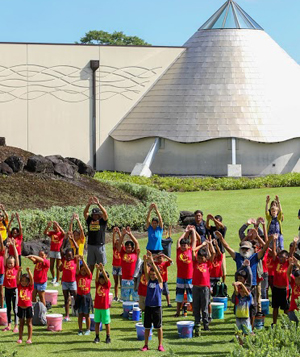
x: 145, y: 348
x: 67, y: 319
x: 16, y: 330
x: 170, y: 305
x: 96, y: 340
x: 206, y: 328
x: 19, y: 341
x: 80, y: 333
x: 6, y: 328
x: 108, y: 340
x: 176, y: 315
x: 197, y: 331
x: 161, y: 348
x: 56, y: 284
x: 87, y: 333
x: 120, y: 300
x: 29, y: 342
x: 115, y: 299
x: 53, y: 281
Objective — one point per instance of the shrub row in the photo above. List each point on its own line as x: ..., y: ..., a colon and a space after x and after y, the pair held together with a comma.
x: 186, y: 184
x: 34, y: 221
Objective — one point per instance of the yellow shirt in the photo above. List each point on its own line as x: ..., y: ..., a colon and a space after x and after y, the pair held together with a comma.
x: 3, y: 229
x: 80, y: 242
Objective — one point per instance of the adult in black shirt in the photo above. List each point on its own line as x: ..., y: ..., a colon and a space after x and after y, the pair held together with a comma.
x: 199, y: 224
x: 96, y: 223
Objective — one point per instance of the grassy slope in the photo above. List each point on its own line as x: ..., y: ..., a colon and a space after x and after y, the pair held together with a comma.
x: 235, y: 207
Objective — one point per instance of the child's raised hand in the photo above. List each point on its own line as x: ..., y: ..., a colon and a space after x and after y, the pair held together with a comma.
x: 260, y: 220
x: 268, y: 199
x: 12, y: 216
x: 124, y: 232
x: 101, y: 266
x: 49, y: 224
x: 20, y: 268
x: 76, y: 216
x: 17, y: 215
x: 128, y: 230
x: 218, y: 235
x: 251, y: 221
x: 28, y: 269
x: 276, y: 198
x: 91, y: 200
x: 145, y: 258
x: 210, y: 216
x: 97, y: 266
x: 295, y: 240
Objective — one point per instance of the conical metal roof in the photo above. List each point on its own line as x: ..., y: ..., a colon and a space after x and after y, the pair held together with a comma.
x: 228, y: 83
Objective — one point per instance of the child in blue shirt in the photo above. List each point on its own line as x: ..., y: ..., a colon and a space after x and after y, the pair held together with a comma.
x: 155, y: 231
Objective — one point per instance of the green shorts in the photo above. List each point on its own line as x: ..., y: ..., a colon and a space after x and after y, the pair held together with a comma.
x: 102, y: 315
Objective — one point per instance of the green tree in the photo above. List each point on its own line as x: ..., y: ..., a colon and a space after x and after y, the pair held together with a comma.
x: 115, y: 38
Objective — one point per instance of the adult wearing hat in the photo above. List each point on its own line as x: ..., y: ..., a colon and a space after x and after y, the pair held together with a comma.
x: 96, y: 222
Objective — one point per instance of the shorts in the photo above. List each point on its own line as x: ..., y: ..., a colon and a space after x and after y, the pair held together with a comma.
x: 102, y: 315
x: 117, y: 271
x: 243, y: 324
x: 69, y: 286
x: 181, y: 286
x: 96, y: 254
x: 165, y: 290
x: 142, y: 302
x: 127, y: 290
x: 280, y: 299
x: 153, y: 315
x: 25, y: 313
x: 1, y: 279
x: 84, y: 307
x: 40, y: 287
x: 55, y: 255
x: 155, y: 252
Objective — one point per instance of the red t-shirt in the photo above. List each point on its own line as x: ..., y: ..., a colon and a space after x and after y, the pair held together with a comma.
x: 216, y: 267
x: 295, y: 294
x: 41, y: 271
x: 2, y: 252
x: 116, y: 258
x: 280, y: 276
x: 56, y: 240
x: 264, y: 261
x: 184, y: 262
x: 83, y: 284
x: 69, y: 270
x: 163, y: 270
x: 128, y: 263
x: 142, y: 289
x: 102, y: 296
x: 25, y: 295
x: 201, y: 275
x: 10, y: 277
x: 270, y: 264
x: 18, y: 244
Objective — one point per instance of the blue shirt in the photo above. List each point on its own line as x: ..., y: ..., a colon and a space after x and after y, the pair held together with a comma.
x: 154, y: 238
x: 253, y: 264
x: 153, y: 297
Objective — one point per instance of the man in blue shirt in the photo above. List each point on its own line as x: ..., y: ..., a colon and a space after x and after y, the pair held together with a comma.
x: 155, y: 231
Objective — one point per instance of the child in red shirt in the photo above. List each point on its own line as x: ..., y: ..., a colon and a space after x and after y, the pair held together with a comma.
x: 11, y: 268
x: 40, y: 275
x: 83, y: 301
x: 142, y: 289
x: 57, y: 235
x: 25, y: 289
x: 101, y: 303
x: 116, y: 263
x: 163, y: 269
x: 17, y: 234
x: 216, y: 271
x: 295, y: 285
x: 201, y: 283
x: 2, y: 253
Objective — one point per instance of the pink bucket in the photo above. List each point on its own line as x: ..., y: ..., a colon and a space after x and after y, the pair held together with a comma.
x: 111, y: 296
x: 3, y: 317
x: 51, y: 296
x: 54, y: 322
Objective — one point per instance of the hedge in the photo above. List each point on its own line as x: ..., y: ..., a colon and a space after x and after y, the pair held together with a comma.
x: 188, y: 184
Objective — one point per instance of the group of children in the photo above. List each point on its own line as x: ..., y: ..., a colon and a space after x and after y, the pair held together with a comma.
x: 262, y: 265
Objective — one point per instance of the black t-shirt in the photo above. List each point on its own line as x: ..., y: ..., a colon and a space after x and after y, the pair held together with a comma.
x: 201, y: 230
x: 96, y: 231
x: 212, y: 230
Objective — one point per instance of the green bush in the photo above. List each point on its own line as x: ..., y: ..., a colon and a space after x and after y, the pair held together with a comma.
x: 188, y: 184
x: 34, y: 221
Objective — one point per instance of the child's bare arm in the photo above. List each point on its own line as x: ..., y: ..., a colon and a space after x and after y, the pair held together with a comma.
x: 290, y: 268
x: 243, y: 287
x: 86, y: 267
x: 30, y: 276
x: 9, y: 223
x: 19, y: 223
x: 19, y: 275
x: 15, y: 252
x: 150, y: 257
x: 146, y: 268
x: 261, y: 253
x: 47, y: 228
x: 149, y: 215
x: 120, y: 243
x: 102, y: 270
x: 135, y: 241
x: 225, y: 244
x: 160, y: 221
x: 267, y: 206
x: 1, y: 243
x: 166, y: 257
x: 211, y: 250
x: 97, y: 272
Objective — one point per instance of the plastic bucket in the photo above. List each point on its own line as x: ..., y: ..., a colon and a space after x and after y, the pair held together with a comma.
x: 128, y: 306
x: 185, y: 329
x: 111, y: 296
x: 140, y: 331
x: 54, y: 322
x: 224, y: 300
x: 51, y: 296
x: 136, y: 314
x: 217, y: 310
x: 259, y: 322
x: 3, y: 317
x: 265, y: 303
x: 92, y: 326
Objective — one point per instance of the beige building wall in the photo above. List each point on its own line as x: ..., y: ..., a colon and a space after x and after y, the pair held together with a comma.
x: 45, y: 94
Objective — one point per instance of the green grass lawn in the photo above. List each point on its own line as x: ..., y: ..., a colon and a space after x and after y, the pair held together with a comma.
x: 235, y: 207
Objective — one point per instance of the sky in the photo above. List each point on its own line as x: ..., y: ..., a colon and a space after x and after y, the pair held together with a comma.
x: 159, y: 22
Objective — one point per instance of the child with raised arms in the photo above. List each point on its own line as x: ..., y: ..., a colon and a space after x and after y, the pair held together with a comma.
x: 2, y: 253
x: 25, y: 289
x: 101, y: 303
x: 117, y: 262
x: 294, y: 280
x: 83, y: 301
x: 153, y: 309
x: 163, y: 262
x: 78, y: 235
x: 3, y: 222
x: 11, y: 268
x: 40, y: 277
x: 17, y: 234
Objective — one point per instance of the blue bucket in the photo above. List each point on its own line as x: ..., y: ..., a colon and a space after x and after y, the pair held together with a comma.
x: 92, y: 327
x: 217, y: 310
x: 265, y: 306
x: 140, y: 331
x: 185, y: 329
x: 224, y: 300
x: 136, y: 314
x: 128, y: 306
x: 259, y: 322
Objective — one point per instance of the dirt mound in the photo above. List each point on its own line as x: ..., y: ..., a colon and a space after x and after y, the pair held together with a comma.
x: 6, y: 151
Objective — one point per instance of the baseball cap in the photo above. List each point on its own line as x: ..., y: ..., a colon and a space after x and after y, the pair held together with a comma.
x: 246, y: 244
x: 96, y: 211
